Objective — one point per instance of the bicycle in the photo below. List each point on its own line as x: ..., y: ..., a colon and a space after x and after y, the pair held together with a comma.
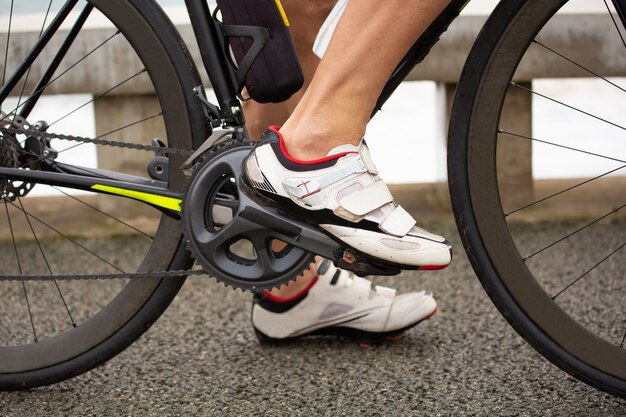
x: 202, y: 210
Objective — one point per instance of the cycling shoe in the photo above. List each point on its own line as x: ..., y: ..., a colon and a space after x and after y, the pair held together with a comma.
x: 342, y: 304
x: 344, y: 196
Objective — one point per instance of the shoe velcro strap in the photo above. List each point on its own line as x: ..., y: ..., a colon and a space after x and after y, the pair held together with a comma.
x: 367, y: 199
x: 364, y: 288
x: 384, y: 291
x: 367, y: 160
x: 361, y: 287
x: 398, y: 223
x: 302, y: 188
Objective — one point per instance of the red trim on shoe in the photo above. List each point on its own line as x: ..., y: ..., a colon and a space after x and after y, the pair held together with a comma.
x: 432, y: 267
x: 293, y: 297
x: 283, y: 148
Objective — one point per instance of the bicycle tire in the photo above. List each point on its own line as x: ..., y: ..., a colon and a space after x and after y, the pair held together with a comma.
x: 137, y: 306
x: 474, y: 190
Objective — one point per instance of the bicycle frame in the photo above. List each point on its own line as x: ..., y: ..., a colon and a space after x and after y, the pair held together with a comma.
x: 223, y: 80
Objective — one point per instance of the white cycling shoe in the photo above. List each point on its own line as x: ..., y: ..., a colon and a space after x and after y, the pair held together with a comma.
x: 344, y: 196
x: 340, y: 303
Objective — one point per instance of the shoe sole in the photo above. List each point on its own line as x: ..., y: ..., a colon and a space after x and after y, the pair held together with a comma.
x: 364, y: 338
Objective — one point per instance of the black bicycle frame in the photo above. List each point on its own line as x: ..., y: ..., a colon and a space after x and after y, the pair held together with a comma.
x: 216, y: 64
x: 223, y: 79
x: 420, y: 49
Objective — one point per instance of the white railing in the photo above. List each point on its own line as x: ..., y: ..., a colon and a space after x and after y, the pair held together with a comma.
x: 582, y: 37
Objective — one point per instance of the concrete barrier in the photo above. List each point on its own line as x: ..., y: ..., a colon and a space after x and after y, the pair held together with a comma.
x: 578, y: 36
x: 582, y: 37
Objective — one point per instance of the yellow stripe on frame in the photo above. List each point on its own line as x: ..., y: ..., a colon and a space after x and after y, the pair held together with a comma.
x: 282, y: 12
x: 157, y: 200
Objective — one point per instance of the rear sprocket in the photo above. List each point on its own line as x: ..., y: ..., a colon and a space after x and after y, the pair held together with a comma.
x: 10, y: 158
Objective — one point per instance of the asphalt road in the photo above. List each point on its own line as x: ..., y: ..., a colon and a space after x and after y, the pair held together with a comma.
x: 202, y: 358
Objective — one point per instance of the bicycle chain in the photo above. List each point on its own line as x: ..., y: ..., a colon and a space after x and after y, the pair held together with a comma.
x: 94, y: 277
x: 98, y: 141
x: 117, y: 144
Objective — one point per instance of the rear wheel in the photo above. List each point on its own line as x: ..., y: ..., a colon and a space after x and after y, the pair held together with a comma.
x: 552, y: 259
x: 53, y: 330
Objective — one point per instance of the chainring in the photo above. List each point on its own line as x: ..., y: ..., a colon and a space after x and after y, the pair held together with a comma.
x: 237, y: 252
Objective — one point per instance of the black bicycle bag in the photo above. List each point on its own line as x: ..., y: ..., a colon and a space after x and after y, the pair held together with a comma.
x: 259, y: 36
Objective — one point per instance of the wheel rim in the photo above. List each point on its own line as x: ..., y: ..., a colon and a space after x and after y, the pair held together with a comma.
x: 496, y: 231
x: 117, y: 302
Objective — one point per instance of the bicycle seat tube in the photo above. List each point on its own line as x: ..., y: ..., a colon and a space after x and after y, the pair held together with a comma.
x: 215, y: 62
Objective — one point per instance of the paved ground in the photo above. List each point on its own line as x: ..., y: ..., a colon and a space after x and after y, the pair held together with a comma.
x: 202, y: 358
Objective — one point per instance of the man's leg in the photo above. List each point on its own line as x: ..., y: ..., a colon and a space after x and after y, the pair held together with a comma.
x: 306, y: 18
x: 317, y: 164
x: 328, y: 298
x: 369, y: 41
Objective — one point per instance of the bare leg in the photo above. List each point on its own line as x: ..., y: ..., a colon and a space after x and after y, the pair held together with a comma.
x: 348, y: 81
x: 306, y: 17
x: 369, y: 41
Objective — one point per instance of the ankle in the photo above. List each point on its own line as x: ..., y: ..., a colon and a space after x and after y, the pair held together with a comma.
x: 306, y: 146
x: 294, y: 289
x: 309, y: 143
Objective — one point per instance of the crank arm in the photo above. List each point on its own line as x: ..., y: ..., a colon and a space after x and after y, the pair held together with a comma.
x: 309, y: 238
x: 294, y: 233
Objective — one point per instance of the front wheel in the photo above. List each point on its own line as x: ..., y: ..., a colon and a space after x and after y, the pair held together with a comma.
x: 548, y: 249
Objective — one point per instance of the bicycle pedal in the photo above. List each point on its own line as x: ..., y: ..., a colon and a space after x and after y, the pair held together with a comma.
x: 345, y: 259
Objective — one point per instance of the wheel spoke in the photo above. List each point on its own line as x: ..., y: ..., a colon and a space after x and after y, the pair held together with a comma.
x: 615, y: 24
x: 43, y: 25
x: 41, y: 43
x: 514, y: 84
x: 99, y: 96
x: 40, y: 158
x: 17, y: 255
x: 130, y: 124
x: 30, y: 313
x: 32, y: 230
x: 30, y: 225
x: 6, y: 49
x: 574, y: 232
x: 564, y: 191
x: 517, y: 135
x: 19, y: 267
x: 56, y: 61
x: 103, y: 212
x: 70, y: 239
x: 588, y: 271
x: 36, y: 92
x: 595, y: 74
